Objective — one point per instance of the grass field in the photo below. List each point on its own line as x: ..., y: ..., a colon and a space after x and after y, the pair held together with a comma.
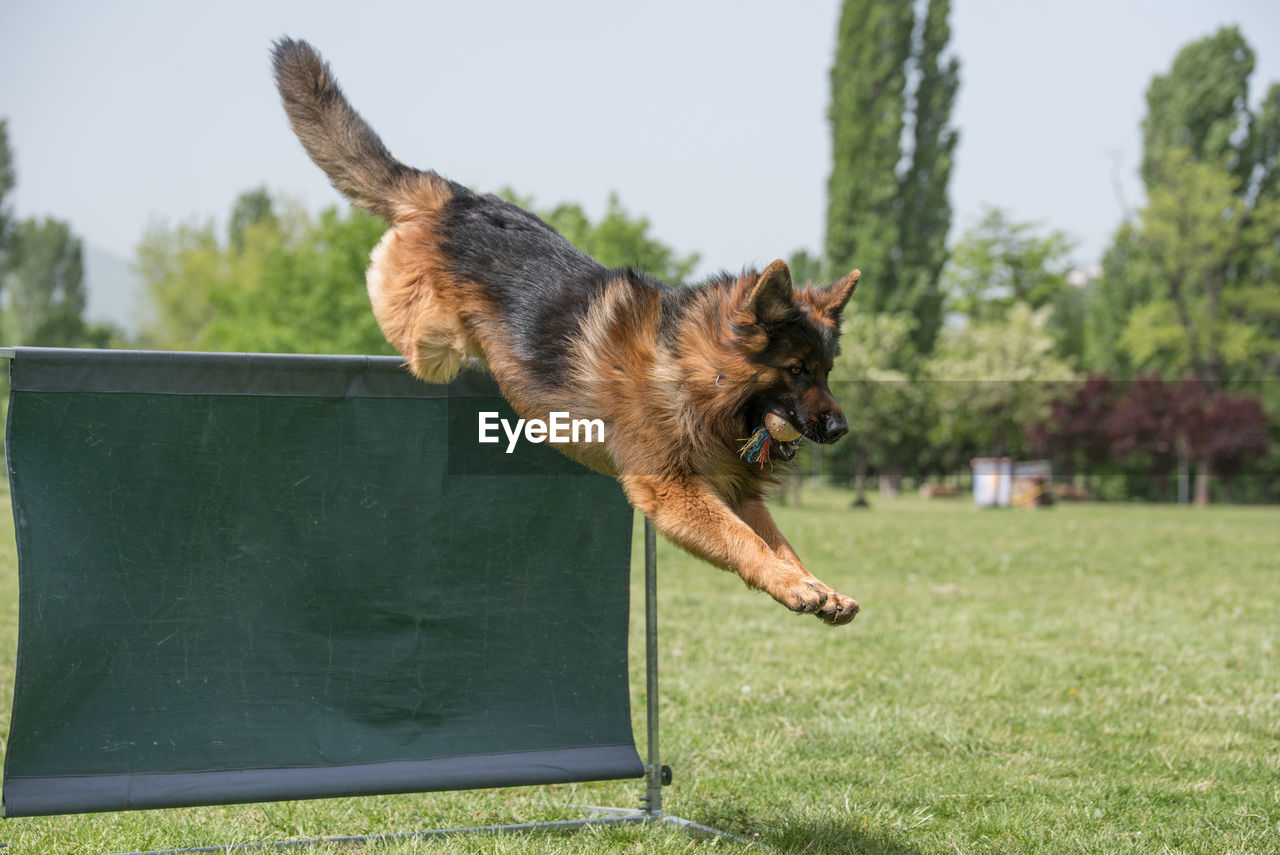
x: 1092, y: 678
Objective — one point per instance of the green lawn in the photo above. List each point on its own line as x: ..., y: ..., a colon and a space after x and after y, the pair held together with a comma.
x: 1093, y: 678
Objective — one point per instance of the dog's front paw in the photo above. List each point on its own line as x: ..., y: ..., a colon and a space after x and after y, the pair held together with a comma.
x: 838, y: 609
x: 799, y: 591
x: 803, y: 594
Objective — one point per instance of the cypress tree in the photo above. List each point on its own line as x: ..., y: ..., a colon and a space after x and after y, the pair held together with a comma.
x: 867, y: 115
x: 887, y: 209
x: 925, y: 215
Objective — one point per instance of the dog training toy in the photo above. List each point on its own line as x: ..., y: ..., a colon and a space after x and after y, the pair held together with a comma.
x: 776, y: 429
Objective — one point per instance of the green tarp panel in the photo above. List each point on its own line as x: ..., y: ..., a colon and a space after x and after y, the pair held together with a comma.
x: 250, y: 577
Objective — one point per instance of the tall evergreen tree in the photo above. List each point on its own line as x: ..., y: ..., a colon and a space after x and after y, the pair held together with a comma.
x: 888, y: 211
x: 867, y: 116
x: 926, y: 206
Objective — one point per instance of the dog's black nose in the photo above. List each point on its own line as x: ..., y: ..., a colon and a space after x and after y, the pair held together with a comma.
x: 834, y: 427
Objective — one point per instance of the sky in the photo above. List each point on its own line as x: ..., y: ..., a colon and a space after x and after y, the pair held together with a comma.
x: 707, y: 118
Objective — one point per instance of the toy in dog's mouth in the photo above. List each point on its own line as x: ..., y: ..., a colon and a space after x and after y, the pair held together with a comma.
x: 776, y: 438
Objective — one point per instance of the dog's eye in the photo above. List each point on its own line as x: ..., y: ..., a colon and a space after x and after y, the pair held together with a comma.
x: 796, y: 370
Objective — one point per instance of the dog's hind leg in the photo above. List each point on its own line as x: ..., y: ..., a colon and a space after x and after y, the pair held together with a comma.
x: 409, y: 295
x: 696, y: 519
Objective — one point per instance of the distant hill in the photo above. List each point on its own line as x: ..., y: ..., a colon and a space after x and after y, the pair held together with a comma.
x: 112, y: 289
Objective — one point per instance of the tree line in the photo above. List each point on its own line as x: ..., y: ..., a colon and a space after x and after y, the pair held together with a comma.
x: 990, y: 345
x: 1004, y: 349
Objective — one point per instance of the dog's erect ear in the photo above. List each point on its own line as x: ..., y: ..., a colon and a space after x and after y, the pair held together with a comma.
x: 834, y: 298
x: 771, y: 298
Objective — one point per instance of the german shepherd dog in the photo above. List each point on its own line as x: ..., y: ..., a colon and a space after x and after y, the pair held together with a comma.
x: 678, y: 376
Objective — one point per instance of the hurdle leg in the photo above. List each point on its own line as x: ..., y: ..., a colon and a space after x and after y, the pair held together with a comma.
x: 655, y: 772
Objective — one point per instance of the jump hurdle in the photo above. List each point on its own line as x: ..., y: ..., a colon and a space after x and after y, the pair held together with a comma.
x: 249, y: 577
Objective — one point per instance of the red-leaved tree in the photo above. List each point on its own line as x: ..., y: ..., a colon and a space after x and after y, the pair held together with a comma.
x: 1075, y: 435
x: 1149, y: 425
x: 1225, y: 435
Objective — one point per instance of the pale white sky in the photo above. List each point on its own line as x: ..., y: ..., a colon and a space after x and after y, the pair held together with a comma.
x: 709, y: 118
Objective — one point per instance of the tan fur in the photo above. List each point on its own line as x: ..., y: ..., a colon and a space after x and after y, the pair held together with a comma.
x: 417, y: 304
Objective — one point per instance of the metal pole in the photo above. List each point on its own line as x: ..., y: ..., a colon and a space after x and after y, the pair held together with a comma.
x: 653, y: 795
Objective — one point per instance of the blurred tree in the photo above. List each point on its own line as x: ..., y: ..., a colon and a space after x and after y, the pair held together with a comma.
x: 250, y: 208
x: 1075, y: 436
x: 926, y: 205
x: 7, y: 180
x: 1213, y: 315
x: 990, y: 383
x: 44, y: 285
x: 298, y: 287
x: 888, y: 212
x: 1205, y: 252
x: 1201, y: 105
x: 617, y: 240
x: 1154, y: 427
x: 1000, y: 262
x: 1067, y: 323
x: 1149, y: 424
x: 883, y: 399
x: 1128, y: 281
x: 620, y: 240
x: 42, y: 295
x: 6, y: 185
x: 806, y: 268
x: 180, y: 267
x: 867, y: 116
x: 284, y: 281
x: 1224, y: 436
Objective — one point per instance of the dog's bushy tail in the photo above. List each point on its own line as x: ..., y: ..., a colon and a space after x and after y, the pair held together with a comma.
x: 342, y: 143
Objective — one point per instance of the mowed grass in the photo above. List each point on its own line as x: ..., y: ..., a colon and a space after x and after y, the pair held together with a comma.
x: 1088, y: 678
